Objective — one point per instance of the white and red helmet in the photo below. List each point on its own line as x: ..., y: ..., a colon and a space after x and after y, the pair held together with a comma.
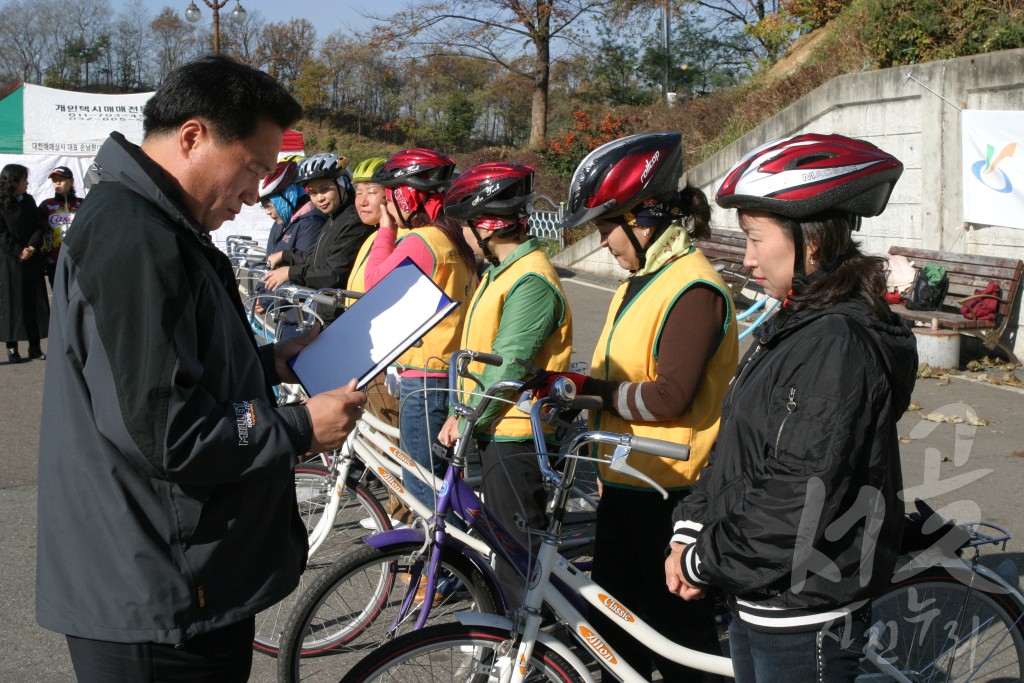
x: 806, y: 174
x: 283, y: 175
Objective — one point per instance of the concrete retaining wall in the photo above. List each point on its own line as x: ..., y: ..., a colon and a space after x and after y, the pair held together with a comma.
x: 902, y: 117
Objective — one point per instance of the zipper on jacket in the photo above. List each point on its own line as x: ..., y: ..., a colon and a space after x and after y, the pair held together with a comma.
x: 790, y: 409
x: 739, y: 375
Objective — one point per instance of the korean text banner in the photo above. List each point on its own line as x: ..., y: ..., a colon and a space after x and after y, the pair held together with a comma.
x: 38, y: 120
x: 993, y: 167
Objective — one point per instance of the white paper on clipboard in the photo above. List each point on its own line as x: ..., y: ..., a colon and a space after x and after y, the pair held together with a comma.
x: 375, y: 330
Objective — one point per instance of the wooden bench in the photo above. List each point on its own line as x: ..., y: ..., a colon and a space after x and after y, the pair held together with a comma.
x: 724, y: 249
x: 968, y: 273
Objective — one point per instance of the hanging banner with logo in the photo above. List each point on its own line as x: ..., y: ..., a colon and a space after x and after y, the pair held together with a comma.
x: 993, y: 167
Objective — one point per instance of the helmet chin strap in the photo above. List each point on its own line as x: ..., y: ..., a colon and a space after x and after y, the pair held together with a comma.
x: 641, y: 252
x: 482, y: 242
x: 401, y: 217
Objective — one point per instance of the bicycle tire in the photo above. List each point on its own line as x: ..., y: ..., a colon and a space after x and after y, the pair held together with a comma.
x: 314, y: 485
x: 454, y: 652
x: 929, y: 625
x: 351, y: 607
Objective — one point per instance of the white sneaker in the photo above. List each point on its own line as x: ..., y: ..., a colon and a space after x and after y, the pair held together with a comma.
x: 370, y: 524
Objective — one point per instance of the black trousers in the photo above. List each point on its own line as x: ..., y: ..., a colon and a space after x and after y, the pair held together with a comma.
x: 633, y: 531
x: 221, y: 656
x: 514, y: 492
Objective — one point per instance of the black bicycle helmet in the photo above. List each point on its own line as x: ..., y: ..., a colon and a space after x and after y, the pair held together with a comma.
x: 620, y: 174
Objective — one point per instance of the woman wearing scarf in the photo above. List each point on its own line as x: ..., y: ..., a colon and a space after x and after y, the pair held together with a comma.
x: 662, y: 365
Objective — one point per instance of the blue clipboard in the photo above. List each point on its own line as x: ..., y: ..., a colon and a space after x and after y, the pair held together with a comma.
x: 374, y: 331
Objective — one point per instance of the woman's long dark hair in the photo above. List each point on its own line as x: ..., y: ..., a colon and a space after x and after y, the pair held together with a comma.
x: 694, y: 204
x: 452, y: 229
x: 849, y: 272
x: 10, y: 177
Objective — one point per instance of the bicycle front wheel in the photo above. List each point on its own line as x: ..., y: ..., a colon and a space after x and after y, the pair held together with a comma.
x: 933, y: 628
x: 454, y: 652
x: 314, y: 487
x: 358, y: 604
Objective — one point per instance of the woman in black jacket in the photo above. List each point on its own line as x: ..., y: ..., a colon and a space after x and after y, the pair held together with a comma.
x: 24, y: 309
x: 797, y: 517
x: 330, y: 261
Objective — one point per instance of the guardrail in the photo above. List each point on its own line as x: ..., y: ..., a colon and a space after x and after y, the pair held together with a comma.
x: 545, y: 224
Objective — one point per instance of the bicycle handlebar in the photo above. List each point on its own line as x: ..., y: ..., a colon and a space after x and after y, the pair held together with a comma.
x: 488, y: 358
x: 664, y: 449
x: 333, y: 297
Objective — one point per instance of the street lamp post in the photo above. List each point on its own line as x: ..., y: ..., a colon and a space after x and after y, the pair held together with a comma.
x: 193, y: 14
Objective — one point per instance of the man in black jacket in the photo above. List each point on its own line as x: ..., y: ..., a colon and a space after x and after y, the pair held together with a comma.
x: 165, y: 464
x: 329, y: 263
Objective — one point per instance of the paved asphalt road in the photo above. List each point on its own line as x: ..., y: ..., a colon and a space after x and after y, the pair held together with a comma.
x: 969, y: 472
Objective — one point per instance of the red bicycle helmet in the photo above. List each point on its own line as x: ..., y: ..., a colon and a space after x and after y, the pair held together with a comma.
x: 283, y: 175
x: 492, y: 189
x: 620, y: 174
x: 422, y: 169
x: 802, y: 175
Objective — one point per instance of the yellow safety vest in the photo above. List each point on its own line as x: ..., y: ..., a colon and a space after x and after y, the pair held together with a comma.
x: 455, y: 277
x: 631, y: 342
x: 357, y: 278
x: 484, y: 318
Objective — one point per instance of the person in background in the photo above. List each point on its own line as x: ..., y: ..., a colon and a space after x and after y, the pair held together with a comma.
x: 24, y: 309
x: 168, y: 516
x: 330, y: 262
x: 297, y: 221
x: 379, y: 400
x: 414, y: 182
x: 369, y: 203
x: 662, y: 365
x: 519, y: 311
x: 59, y: 210
x: 798, y: 518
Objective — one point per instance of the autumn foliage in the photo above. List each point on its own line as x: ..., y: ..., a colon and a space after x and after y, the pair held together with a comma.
x: 563, y: 153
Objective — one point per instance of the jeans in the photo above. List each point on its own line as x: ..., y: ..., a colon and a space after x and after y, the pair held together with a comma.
x: 829, y: 655
x: 422, y: 414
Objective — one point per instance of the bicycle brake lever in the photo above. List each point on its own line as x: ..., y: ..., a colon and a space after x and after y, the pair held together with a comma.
x: 618, y: 464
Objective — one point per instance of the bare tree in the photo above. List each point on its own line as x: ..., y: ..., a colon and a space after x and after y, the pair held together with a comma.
x: 126, y: 64
x: 498, y: 31
x: 174, y: 42
x: 23, y: 33
x: 283, y: 46
x: 242, y: 41
x: 761, y: 20
x: 78, y: 35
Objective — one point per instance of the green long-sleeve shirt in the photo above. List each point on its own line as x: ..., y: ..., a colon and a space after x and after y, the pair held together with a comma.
x: 532, y: 311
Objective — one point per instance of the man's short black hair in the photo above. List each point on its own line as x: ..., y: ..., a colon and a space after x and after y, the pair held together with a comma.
x: 229, y: 96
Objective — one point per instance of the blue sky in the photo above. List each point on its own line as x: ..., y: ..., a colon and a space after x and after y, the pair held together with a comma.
x: 327, y: 15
